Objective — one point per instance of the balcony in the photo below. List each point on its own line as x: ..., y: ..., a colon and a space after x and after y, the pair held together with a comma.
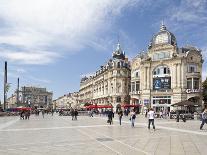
x: 193, y: 74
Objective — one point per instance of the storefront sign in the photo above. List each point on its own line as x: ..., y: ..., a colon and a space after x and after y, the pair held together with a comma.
x: 188, y: 91
x: 146, y: 102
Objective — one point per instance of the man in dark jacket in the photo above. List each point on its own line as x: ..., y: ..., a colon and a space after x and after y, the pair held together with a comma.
x: 75, y: 114
x: 120, y: 113
x: 110, y: 117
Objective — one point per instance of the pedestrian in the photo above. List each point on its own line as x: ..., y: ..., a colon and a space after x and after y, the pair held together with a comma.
x: 151, y: 117
x: 110, y: 117
x: 146, y: 111
x: 203, y: 118
x: 120, y: 113
x: 132, y: 117
x: 43, y: 113
x: 161, y: 114
x: 28, y: 114
x: 76, y: 114
x: 72, y: 114
x: 52, y: 112
x: 177, y: 116
x: 91, y: 113
x: 21, y: 114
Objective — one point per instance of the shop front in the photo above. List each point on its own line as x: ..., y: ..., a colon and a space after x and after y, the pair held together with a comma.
x: 161, y: 103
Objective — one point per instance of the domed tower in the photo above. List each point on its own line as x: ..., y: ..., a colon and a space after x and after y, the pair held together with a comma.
x: 118, y: 53
x: 163, y: 37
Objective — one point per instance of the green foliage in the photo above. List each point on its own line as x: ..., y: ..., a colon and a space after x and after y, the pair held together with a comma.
x: 7, y: 87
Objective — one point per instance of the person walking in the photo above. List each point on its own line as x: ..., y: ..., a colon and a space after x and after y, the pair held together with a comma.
x: 203, y: 118
x: 110, y: 117
x: 151, y: 117
x: 72, y: 114
x: 52, y: 112
x: 132, y: 117
x: 120, y: 113
x: 43, y: 113
x: 161, y: 114
x: 76, y: 114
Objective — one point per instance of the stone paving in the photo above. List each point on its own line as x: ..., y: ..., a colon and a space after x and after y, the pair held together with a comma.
x: 59, y: 135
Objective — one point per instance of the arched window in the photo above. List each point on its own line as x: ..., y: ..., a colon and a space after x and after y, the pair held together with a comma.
x: 161, y: 70
x: 118, y: 65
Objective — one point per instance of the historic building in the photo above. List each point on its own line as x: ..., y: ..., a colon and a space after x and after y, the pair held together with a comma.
x: 166, y: 74
x: 11, y: 101
x: 34, y: 97
x: 110, y: 84
x: 66, y: 101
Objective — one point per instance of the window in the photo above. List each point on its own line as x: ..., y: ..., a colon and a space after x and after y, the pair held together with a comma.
x: 161, y: 55
x: 196, y: 83
x: 192, y: 68
x: 158, y: 71
x: 118, y: 99
x: 161, y: 70
x: 133, y: 86
x: 189, y: 83
x: 118, y: 65
x: 162, y: 100
x: 137, y: 85
x: 137, y: 74
x: 165, y: 70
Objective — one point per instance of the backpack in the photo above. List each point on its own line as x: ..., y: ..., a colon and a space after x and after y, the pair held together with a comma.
x: 133, y: 116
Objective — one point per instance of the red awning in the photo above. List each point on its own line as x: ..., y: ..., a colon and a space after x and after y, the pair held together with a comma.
x: 98, y: 106
x: 23, y: 108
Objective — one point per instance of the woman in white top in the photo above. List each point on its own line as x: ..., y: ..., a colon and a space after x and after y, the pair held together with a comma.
x: 151, y: 117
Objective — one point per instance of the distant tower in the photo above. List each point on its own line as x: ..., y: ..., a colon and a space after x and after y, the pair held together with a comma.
x: 5, y: 84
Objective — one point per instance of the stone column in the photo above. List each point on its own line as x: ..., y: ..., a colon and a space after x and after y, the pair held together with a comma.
x: 179, y: 75
x: 145, y: 78
x: 149, y: 76
x: 175, y: 76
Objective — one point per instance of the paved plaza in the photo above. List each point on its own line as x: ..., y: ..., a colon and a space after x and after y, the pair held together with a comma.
x: 59, y: 135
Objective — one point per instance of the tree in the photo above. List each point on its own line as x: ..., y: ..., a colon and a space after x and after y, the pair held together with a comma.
x: 7, y: 87
x: 205, y: 91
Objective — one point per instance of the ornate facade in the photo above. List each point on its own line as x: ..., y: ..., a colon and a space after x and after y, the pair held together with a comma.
x: 110, y: 84
x: 66, y: 101
x: 35, y: 97
x: 166, y: 74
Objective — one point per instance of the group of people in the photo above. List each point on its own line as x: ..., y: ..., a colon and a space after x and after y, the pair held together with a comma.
x: 24, y: 114
x: 74, y: 114
x: 150, y: 114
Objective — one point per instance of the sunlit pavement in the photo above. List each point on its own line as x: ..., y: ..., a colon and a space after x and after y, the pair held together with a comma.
x: 57, y: 135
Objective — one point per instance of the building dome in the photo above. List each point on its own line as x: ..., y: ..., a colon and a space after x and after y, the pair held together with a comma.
x: 118, y: 53
x: 163, y: 37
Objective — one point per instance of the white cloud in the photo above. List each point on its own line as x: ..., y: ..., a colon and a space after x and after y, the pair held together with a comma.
x: 40, y: 57
x: 38, y: 80
x: 41, y: 25
x: 190, y: 11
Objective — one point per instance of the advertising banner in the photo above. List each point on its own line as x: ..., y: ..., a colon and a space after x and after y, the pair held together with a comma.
x: 161, y: 83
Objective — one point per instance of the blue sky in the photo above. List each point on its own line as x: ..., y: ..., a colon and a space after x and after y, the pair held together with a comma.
x: 52, y: 43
